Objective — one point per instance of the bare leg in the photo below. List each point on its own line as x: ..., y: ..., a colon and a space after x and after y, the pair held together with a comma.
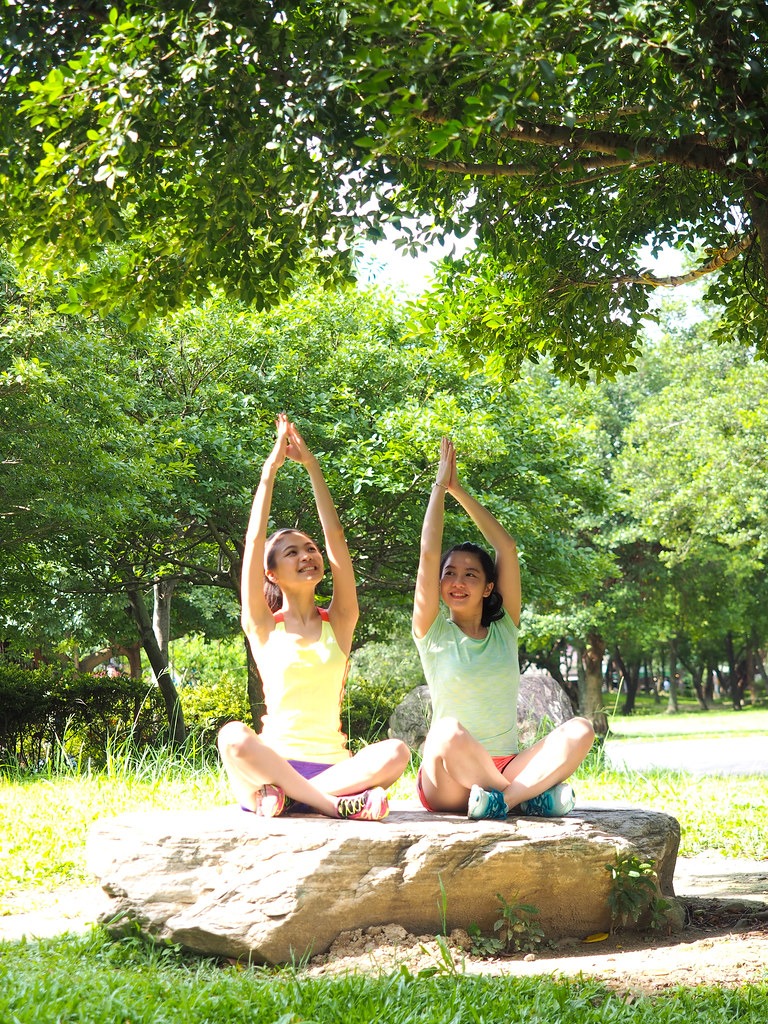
x: 453, y: 762
x: 379, y: 764
x: 553, y: 759
x: 251, y: 764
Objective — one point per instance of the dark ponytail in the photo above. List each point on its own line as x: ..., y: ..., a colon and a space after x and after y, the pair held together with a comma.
x: 493, y: 605
x: 273, y: 595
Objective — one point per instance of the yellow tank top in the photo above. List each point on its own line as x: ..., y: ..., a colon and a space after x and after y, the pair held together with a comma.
x: 303, y: 691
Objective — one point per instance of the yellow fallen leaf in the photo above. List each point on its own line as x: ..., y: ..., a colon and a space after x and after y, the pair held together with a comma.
x: 597, y: 937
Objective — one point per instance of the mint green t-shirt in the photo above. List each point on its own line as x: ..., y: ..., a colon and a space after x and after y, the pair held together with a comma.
x: 475, y: 681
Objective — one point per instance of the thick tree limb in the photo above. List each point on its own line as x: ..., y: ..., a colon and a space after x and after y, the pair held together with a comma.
x: 716, y: 262
x: 526, y: 170
x: 692, y: 152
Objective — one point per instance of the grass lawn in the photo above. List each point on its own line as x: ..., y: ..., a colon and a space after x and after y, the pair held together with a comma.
x: 651, y: 720
x: 89, y: 979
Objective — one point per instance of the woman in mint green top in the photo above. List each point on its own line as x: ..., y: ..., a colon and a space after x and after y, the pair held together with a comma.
x: 471, y: 760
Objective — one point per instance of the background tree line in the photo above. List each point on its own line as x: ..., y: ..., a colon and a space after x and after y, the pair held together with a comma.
x: 131, y: 457
x: 178, y: 180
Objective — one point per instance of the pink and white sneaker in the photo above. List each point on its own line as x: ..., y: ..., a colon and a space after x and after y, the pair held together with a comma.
x: 271, y: 802
x: 370, y: 805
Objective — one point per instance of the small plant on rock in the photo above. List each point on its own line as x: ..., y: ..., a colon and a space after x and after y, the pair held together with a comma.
x: 634, y: 892
x: 516, y: 931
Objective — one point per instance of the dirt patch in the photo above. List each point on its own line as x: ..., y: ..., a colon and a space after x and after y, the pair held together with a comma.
x: 724, y: 943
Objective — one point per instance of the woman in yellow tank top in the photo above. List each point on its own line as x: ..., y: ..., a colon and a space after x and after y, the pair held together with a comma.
x: 302, y: 653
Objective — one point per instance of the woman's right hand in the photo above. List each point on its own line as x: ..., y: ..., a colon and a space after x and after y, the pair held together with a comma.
x: 279, y: 452
x: 297, y: 446
x: 446, y: 471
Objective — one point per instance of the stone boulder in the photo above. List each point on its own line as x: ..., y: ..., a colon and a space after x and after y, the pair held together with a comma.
x: 227, y: 883
x: 410, y: 720
x: 542, y: 705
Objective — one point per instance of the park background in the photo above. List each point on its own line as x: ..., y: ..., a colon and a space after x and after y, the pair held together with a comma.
x: 189, y: 196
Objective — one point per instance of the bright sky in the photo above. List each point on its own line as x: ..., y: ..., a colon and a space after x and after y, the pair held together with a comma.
x: 385, y: 265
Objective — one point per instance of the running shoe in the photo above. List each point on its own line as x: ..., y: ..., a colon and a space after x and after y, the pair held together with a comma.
x: 370, y: 805
x: 552, y: 803
x: 271, y: 802
x: 486, y: 803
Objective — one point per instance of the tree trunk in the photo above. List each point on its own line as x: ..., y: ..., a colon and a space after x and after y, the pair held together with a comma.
x: 630, y: 679
x: 672, y: 707
x: 737, y: 690
x: 696, y: 675
x: 752, y: 657
x: 161, y: 615
x: 647, y: 677
x: 159, y: 665
x: 553, y: 666
x: 255, y: 689
x: 730, y: 654
x: 760, y: 667
x: 709, y: 685
x: 133, y: 653
x: 92, y: 660
x: 592, y: 703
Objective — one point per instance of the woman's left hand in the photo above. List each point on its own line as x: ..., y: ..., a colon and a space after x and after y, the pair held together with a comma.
x: 297, y: 447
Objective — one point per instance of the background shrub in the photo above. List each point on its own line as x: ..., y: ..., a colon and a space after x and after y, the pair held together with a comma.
x: 380, y: 675
x: 52, y: 711
x: 211, y: 678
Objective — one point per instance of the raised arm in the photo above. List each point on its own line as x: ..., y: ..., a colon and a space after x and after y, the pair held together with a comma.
x: 343, y: 610
x: 507, y: 563
x: 255, y: 615
x: 426, y: 599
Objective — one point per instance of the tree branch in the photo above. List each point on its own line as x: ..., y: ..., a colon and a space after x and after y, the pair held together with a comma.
x: 716, y: 262
x: 524, y: 170
x: 691, y: 152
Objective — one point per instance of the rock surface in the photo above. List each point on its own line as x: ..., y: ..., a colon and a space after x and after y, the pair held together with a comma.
x: 223, y: 882
x: 542, y: 704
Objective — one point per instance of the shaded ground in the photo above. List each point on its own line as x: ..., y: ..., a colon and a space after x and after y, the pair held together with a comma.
x: 724, y: 941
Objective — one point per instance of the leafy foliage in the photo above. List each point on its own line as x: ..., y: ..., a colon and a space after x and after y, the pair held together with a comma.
x: 147, y: 474
x: 516, y: 931
x: 233, y: 145
x: 633, y: 890
x: 49, y: 709
x: 381, y: 674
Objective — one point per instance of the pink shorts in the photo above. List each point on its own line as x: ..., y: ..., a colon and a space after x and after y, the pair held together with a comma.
x: 500, y: 762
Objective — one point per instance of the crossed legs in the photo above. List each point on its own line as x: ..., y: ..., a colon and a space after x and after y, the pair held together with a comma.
x: 454, y: 761
x: 251, y: 764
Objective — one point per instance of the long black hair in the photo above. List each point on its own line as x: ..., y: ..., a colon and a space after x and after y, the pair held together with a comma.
x: 493, y: 605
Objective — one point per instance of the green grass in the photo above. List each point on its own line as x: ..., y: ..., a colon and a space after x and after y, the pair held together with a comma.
x: 717, y: 814
x: 44, y: 820
x: 91, y: 980
x: 690, y: 721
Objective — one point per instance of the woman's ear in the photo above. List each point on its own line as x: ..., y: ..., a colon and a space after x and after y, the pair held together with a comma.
x: 488, y: 589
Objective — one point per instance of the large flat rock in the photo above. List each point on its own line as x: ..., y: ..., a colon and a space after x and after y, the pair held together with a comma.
x: 224, y: 882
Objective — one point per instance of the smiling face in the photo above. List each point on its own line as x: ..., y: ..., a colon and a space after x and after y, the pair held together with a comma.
x: 293, y: 559
x: 463, y: 583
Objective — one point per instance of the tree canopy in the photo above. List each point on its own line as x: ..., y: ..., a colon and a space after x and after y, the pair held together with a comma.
x: 131, y: 457
x: 232, y: 144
